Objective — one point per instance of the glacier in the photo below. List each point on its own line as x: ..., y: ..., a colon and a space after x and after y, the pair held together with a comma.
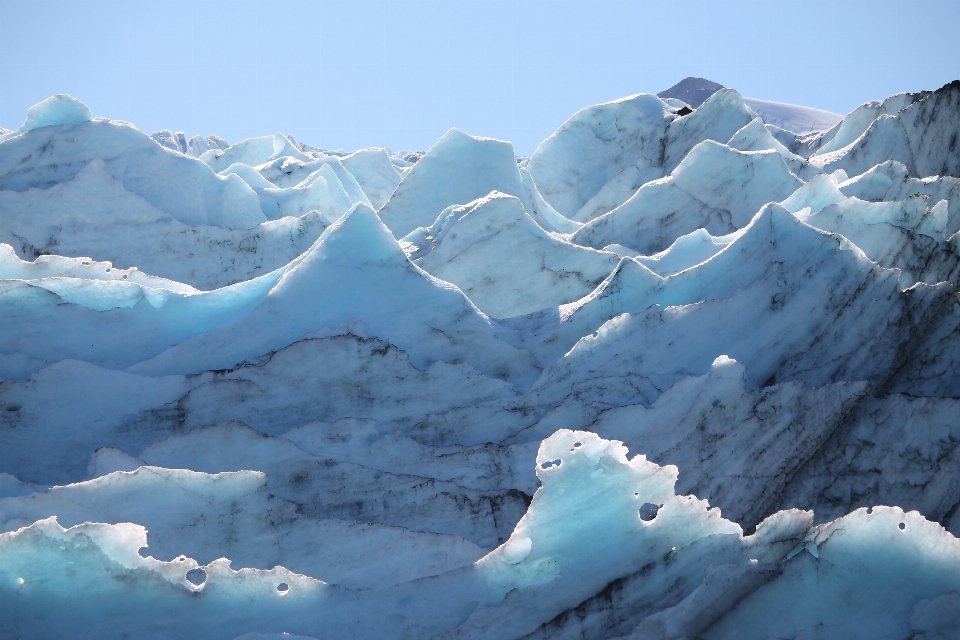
x: 688, y: 371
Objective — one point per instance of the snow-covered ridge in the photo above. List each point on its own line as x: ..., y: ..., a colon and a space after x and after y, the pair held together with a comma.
x: 682, y: 373
x: 794, y: 118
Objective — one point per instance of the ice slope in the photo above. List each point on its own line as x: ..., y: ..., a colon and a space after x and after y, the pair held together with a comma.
x: 468, y: 246
x: 890, y: 181
x: 328, y: 486
x: 51, y: 266
x: 458, y: 169
x: 907, y: 235
x: 541, y: 211
x: 420, y: 438
x: 718, y: 119
x: 286, y: 172
x: 357, y: 263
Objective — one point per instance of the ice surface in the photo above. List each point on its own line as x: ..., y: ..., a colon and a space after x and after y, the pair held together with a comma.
x: 656, y: 381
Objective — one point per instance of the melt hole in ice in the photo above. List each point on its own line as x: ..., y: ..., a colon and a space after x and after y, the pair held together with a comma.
x: 550, y: 463
x: 902, y: 526
x: 575, y: 445
x: 283, y: 587
x: 648, y: 511
x: 196, y: 577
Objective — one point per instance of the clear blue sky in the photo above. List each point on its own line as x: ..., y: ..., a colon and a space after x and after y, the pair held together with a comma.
x: 351, y: 74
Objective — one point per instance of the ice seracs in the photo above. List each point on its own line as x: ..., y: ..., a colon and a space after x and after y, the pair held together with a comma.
x: 51, y: 154
x: 622, y: 140
x: 657, y: 381
x: 375, y: 174
x: 358, y: 263
x: 469, y: 246
x: 716, y: 187
x: 458, y: 169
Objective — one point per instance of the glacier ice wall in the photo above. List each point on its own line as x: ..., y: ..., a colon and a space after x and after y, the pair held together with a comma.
x: 680, y: 374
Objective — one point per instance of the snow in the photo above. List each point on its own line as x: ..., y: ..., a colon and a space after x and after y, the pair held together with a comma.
x: 657, y: 381
x: 794, y: 118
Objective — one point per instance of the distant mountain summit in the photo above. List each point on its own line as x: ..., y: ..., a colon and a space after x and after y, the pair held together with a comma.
x: 795, y: 118
x: 693, y: 91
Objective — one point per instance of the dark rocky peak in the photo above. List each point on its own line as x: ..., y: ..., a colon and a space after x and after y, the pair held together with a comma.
x: 693, y: 91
